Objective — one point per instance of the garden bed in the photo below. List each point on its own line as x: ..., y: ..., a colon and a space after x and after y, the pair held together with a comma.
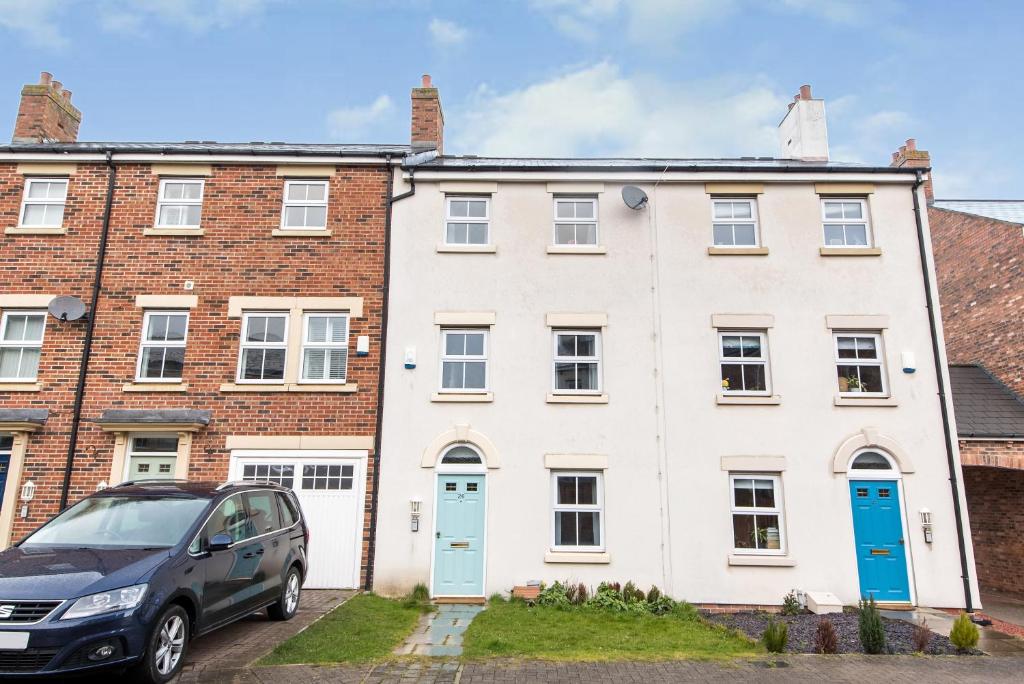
x: 899, y: 635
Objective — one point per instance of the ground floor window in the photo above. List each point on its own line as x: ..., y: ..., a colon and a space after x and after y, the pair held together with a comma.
x: 757, y: 514
x: 152, y: 457
x: 578, y: 511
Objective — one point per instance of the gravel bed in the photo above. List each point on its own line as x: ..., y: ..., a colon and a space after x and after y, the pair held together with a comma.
x: 899, y: 635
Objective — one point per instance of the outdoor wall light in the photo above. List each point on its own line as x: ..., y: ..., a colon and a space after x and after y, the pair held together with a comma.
x: 414, y: 509
x: 926, y: 524
x: 28, y: 490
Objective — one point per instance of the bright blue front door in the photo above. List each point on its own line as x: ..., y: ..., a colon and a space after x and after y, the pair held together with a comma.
x: 878, y: 531
x: 459, y: 536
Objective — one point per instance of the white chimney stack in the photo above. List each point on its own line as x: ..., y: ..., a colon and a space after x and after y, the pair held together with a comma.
x: 802, y: 133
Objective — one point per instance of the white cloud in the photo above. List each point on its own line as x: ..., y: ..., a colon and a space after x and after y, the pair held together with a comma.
x: 348, y: 123
x: 866, y: 135
x: 34, y: 21
x: 658, y: 22
x: 447, y: 33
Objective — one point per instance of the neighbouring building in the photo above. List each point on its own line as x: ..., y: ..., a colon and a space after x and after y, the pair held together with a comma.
x: 718, y: 376
x: 233, y: 298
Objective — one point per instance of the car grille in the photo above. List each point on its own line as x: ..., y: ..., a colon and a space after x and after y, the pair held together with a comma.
x: 30, y: 660
x: 14, y: 612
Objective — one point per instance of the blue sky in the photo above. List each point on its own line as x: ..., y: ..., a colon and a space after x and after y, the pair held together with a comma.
x: 542, y: 77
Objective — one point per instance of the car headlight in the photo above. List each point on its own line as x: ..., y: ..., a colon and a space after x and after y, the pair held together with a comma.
x: 106, y: 602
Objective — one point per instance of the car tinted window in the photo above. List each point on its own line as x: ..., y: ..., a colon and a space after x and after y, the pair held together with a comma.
x: 232, y: 519
x: 263, y: 511
x: 288, y: 513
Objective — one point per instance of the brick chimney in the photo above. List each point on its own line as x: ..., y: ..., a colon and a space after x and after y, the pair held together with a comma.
x: 46, y: 113
x: 802, y: 132
x: 427, y: 118
x: 909, y: 155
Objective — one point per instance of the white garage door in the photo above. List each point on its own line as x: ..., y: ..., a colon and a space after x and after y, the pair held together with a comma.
x: 330, y: 487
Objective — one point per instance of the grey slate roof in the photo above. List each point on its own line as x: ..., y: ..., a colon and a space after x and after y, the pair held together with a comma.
x: 471, y: 163
x: 156, y: 416
x: 17, y: 415
x: 1004, y: 210
x: 984, y: 406
x: 210, y: 147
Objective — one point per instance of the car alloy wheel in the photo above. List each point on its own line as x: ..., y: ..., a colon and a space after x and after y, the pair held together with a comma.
x: 170, y: 644
x: 291, y: 593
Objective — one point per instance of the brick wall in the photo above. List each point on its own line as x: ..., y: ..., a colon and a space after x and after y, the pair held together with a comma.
x: 980, y: 268
x: 994, y: 497
x: 236, y: 256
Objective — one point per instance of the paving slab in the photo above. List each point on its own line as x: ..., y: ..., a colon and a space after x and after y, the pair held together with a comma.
x: 439, y: 634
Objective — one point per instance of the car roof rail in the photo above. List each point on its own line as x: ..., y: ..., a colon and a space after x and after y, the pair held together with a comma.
x: 152, y: 480
x: 246, y: 483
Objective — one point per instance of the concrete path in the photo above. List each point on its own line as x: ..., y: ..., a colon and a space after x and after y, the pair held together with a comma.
x: 991, y: 641
x: 440, y: 633
x: 1003, y: 607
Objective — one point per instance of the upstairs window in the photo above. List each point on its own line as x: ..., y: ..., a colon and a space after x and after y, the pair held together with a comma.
x: 43, y: 204
x: 264, y: 347
x: 305, y: 205
x: 180, y: 203
x: 464, y: 360
x: 325, y: 347
x: 162, y: 352
x: 578, y: 511
x: 846, y: 223
x: 467, y: 221
x: 21, y: 342
x: 577, y: 362
x: 860, y: 366
x: 735, y: 222
x: 744, y: 362
x: 575, y: 221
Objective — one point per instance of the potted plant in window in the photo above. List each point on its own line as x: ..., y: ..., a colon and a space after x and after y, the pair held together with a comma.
x: 853, y: 384
x: 759, y: 537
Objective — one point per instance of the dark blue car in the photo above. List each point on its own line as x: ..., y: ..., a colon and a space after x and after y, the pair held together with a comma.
x: 126, y: 577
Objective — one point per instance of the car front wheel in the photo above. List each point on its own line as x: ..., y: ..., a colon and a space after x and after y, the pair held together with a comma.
x: 286, y: 606
x: 165, y: 651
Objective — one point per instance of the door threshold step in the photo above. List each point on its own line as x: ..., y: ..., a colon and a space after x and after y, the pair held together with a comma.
x: 468, y: 600
x: 894, y: 606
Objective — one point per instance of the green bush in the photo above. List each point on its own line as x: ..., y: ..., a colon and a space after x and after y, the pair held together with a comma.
x: 632, y: 594
x: 653, y: 594
x: 791, y: 604
x: 608, y: 597
x: 555, y: 595
x: 870, y: 627
x: 776, y: 634
x: 964, y: 634
x: 661, y: 605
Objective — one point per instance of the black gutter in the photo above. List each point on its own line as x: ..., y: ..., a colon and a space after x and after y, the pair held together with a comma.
x: 83, y: 366
x: 128, y: 149
x: 950, y: 453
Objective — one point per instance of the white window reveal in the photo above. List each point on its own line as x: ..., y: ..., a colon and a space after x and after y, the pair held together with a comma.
x: 744, y: 362
x: 43, y: 204
x: 575, y: 221
x: 152, y: 457
x: 757, y: 514
x: 578, y: 511
x: 735, y: 222
x: 21, y: 342
x: 577, y: 362
x: 467, y: 221
x: 846, y: 223
x: 463, y: 360
x: 859, y: 364
x: 264, y: 347
x: 180, y: 203
x: 305, y: 205
x: 162, y: 351
x: 325, y: 347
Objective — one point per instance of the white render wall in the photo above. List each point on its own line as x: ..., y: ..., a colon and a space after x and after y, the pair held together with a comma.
x: 649, y: 425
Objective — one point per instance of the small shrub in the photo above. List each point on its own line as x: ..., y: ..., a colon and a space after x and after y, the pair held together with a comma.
x: 419, y: 597
x: 870, y: 627
x: 607, y: 597
x: 922, y: 636
x: 964, y: 634
x: 653, y: 594
x: 776, y: 634
x: 582, y: 594
x: 570, y: 593
x: 791, y: 604
x: 825, y: 638
x: 632, y: 594
x: 661, y: 605
x: 555, y: 595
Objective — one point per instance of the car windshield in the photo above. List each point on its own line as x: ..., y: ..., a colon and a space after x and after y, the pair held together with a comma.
x: 121, y: 522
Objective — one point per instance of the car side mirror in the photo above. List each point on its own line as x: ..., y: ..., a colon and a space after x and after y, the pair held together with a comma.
x: 219, y: 542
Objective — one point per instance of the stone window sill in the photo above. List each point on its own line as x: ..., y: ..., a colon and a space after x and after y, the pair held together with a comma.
x: 577, y: 249
x: 38, y: 230
x: 577, y: 399
x: 850, y: 251
x: 462, y: 397
x: 172, y: 232
x: 761, y: 561
x: 843, y: 400
x: 466, y: 249
x: 289, y: 387
x: 738, y: 251
x: 20, y: 387
x: 743, y: 399
x: 155, y: 387
x: 294, y: 232
x: 576, y: 557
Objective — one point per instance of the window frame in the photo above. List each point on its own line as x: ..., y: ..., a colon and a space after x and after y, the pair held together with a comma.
x: 286, y: 203
x: 598, y: 507
x: 243, y: 345
x: 879, y: 362
x: 448, y: 218
x: 869, y: 235
x: 26, y: 201
x: 306, y: 344
x: 556, y: 359
x: 444, y: 356
x: 21, y: 344
x: 752, y: 201
x: 779, y: 510
x: 162, y: 201
x: 556, y: 222
x: 144, y: 343
x: 130, y: 452
x: 764, y: 359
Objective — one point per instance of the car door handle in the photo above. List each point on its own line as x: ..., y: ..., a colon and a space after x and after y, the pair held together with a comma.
x: 253, y: 554
x: 276, y: 543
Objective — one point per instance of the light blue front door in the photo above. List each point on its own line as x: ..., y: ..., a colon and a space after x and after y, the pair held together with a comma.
x: 459, y: 536
x: 878, y: 531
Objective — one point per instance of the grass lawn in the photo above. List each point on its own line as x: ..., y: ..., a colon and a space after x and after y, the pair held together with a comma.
x: 367, y: 627
x: 512, y: 629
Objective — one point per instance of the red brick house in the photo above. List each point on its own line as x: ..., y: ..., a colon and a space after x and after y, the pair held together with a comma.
x: 234, y: 298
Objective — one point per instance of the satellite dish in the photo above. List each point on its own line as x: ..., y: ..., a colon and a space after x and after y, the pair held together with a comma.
x: 634, y: 197
x: 66, y: 308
